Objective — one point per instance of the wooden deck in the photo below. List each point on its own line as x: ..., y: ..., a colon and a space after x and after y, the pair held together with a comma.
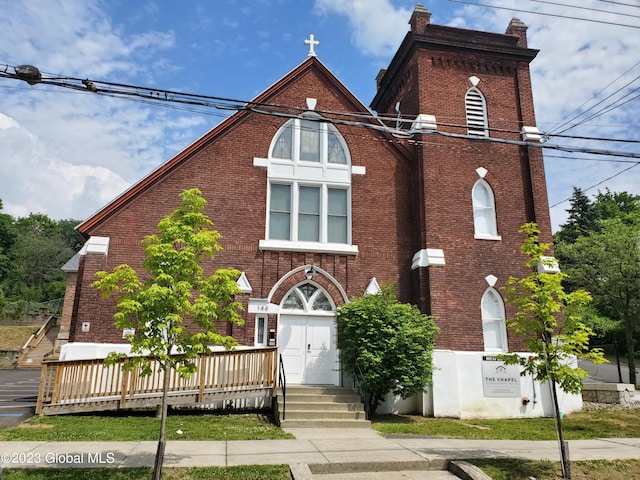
x: 88, y: 386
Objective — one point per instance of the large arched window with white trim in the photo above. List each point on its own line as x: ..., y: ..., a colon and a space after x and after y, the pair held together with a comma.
x: 309, y: 191
x: 494, y: 330
x: 484, y: 211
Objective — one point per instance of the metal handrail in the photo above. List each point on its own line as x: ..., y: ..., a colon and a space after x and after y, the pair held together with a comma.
x: 282, y: 383
x: 358, y: 380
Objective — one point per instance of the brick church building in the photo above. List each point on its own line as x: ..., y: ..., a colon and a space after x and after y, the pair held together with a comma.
x: 319, y: 200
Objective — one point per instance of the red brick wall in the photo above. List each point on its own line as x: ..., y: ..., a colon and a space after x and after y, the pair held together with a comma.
x: 434, y: 81
x: 414, y: 195
x: 236, y: 193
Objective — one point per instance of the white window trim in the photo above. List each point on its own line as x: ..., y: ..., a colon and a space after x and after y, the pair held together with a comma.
x: 307, y: 304
x: 502, y: 322
x: 491, y: 208
x: 263, y: 341
x: 483, y: 236
x: 294, y: 246
x: 300, y: 173
x: 474, y: 114
x: 294, y: 213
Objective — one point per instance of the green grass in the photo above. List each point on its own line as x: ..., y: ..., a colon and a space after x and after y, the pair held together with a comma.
x: 14, y: 337
x: 509, y: 469
x: 577, y: 426
x: 111, y: 427
x: 244, y: 472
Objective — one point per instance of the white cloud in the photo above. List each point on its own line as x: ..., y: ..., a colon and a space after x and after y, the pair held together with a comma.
x: 378, y: 27
x: 41, y: 182
x: 84, y: 153
x: 577, y: 59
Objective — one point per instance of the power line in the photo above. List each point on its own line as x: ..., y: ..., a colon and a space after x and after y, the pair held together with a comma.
x: 620, y: 3
x: 606, y: 160
x: 170, y: 98
x: 556, y: 15
x: 358, y: 119
x: 584, y: 8
x: 597, y: 184
x: 604, y: 109
x: 593, y: 97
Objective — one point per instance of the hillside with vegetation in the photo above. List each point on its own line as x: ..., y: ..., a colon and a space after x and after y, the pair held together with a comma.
x: 32, y: 251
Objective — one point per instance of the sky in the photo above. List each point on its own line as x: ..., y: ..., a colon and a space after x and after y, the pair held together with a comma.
x: 67, y: 154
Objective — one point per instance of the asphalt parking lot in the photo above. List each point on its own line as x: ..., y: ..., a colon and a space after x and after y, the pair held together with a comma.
x: 18, y: 394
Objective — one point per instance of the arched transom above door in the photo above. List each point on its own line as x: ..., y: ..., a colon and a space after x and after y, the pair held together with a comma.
x: 308, y: 298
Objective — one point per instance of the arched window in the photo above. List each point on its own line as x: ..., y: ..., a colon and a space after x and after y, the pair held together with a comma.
x: 308, y: 297
x: 484, y: 211
x: 494, y: 330
x: 309, y: 194
x: 476, y: 107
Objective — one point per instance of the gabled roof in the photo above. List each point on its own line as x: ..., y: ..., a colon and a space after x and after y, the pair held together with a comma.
x: 157, y: 175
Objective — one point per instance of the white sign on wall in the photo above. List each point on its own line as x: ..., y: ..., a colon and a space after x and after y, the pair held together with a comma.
x: 498, y: 379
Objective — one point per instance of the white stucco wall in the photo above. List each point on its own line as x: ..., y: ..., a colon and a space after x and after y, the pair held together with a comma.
x: 458, y: 392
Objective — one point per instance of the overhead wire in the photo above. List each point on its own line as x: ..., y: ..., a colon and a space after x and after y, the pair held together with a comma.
x: 367, y: 120
x: 555, y: 15
x: 620, y: 3
x: 176, y: 100
x: 593, y: 97
x: 597, y: 184
x: 604, y: 109
x: 585, y: 8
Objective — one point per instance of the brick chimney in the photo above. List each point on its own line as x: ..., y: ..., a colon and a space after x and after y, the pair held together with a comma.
x: 420, y: 18
x: 519, y: 29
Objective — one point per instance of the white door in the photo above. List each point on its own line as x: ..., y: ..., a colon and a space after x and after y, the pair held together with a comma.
x: 308, y: 348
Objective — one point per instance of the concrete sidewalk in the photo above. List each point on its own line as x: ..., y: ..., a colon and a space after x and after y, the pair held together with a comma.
x: 329, y: 451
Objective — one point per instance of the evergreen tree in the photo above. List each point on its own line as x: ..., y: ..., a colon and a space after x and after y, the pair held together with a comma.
x: 582, y: 218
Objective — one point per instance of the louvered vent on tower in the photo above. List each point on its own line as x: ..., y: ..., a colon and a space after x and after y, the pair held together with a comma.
x: 476, y: 113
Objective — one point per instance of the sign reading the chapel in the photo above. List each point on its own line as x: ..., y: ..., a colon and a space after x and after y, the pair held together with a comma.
x: 498, y: 379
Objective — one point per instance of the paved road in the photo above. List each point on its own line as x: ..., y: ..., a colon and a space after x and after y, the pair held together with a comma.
x: 18, y: 394
x: 606, y: 372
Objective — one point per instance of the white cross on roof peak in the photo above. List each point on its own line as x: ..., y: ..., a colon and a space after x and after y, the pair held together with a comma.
x: 312, y: 42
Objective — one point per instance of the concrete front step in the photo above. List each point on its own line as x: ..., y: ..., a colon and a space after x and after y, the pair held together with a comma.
x: 326, y: 406
x: 322, y: 389
x: 319, y: 398
x: 373, y: 466
x: 321, y: 407
x: 324, y: 415
x: 324, y: 423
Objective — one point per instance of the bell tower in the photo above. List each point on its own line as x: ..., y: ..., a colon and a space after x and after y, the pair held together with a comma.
x: 467, y: 97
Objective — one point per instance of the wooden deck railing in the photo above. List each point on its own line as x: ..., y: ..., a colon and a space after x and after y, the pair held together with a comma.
x: 86, y: 385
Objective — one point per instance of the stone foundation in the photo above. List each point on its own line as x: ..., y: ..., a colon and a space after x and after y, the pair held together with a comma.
x: 8, y: 358
x: 621, y: 393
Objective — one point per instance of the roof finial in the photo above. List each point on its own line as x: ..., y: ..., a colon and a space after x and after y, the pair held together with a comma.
x: 312, y: 42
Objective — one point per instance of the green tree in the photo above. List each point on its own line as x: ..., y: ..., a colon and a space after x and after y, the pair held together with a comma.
x: 32, y: 250
x: 622, y: 205
x: 174, y: 307
x: 540, y: 301
x: 7, y: 239
x: 608, y: 263
x: 582, y: 218
x: 391, y: 343
x: 35, y: 273
x: 67, y: 231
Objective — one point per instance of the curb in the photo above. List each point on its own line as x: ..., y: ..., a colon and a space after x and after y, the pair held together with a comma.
x: 467, y: 471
